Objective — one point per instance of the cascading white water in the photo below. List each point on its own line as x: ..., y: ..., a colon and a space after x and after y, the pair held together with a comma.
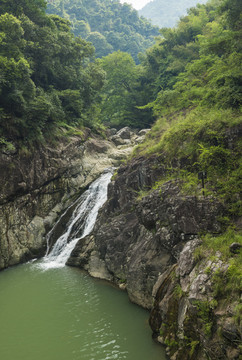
x: 81, y: 223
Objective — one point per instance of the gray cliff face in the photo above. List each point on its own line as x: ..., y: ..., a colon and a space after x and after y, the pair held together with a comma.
x: 37, y: 187
x: 147, y: 246
x: 185, y: 316
x: 144, y: 240
x: 137, y: 240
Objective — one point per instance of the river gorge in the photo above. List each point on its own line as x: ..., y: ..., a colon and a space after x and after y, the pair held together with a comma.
x: 143, y: 245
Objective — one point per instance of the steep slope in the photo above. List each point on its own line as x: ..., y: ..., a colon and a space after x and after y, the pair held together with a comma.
x: 150, y: 240
x: 165, y: 13
x: 36, y: 187
x: 109, y: 25
x: 170, y: 232
x: 48, y: 80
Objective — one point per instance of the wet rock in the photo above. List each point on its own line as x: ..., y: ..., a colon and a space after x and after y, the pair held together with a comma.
x: 37, y: 187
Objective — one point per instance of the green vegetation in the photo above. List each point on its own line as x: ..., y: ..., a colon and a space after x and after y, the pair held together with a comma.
x: 204, y: 309
x: 193, y: 346
x: 226, y: 281
x: 189, y: 81
x: 47, y: 78
x: 122, y: 93
x: 226, y: 275
x: 193, y: 82
x: 199, y: 142
x: 109, y: 25
x: 197, y: 99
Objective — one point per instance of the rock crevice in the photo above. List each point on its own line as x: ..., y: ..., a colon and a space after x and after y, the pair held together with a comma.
x: 146, y: 244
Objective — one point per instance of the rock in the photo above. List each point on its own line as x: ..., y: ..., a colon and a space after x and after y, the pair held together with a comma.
x: 117, y: 140
x: 122, y: 286
x: 124, y: 133
x: 137, y: 139
x: 186, y: 260
x: 143, y: 238
x: 174, y: 356
x: 97, y: 146
x: 235, y: 248
x: 143, y: 132
x: 113, y: 131
x: 230, y: 331
x: 36, y: 188
x: 149, y: 245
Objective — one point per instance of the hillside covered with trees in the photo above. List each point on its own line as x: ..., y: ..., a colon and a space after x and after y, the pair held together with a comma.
x: 194, y: 65
x: 187, y: 90
x: 109, y: 25
x: 47, y: 80
x: 165, y: 13
x: 197, y: 96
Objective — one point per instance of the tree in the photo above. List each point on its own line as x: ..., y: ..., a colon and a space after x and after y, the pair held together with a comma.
x: 48, y: 78
x: 122, y: 92
x: 33, y: 9
x: 197, y: 62
x: 102, y: 47
x: 108, y: 24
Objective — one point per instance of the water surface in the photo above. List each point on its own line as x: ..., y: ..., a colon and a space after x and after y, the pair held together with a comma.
x: 63, y: 314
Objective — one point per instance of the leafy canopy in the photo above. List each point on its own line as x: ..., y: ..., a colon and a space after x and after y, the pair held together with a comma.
x: 109, y: 25
x: 48, y: 77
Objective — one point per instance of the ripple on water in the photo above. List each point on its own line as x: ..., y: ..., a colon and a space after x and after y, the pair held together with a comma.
x: 63, y: 314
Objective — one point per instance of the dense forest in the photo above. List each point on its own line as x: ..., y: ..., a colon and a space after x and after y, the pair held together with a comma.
x: 47, y: 80
x: 50, y: 80
x: 165, y: 13
x: 194, y: 65
x: 109, y: 25
x: 197, y: 98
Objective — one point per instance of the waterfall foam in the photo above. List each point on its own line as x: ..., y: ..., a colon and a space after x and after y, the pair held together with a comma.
x: 80, y: 224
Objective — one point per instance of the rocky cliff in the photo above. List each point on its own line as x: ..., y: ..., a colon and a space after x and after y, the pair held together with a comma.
x: 145, y: 241
x: 147, y: 238
x: 36, y: 186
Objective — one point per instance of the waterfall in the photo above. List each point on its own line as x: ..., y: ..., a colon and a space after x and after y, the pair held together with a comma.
x: 80, y: 224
